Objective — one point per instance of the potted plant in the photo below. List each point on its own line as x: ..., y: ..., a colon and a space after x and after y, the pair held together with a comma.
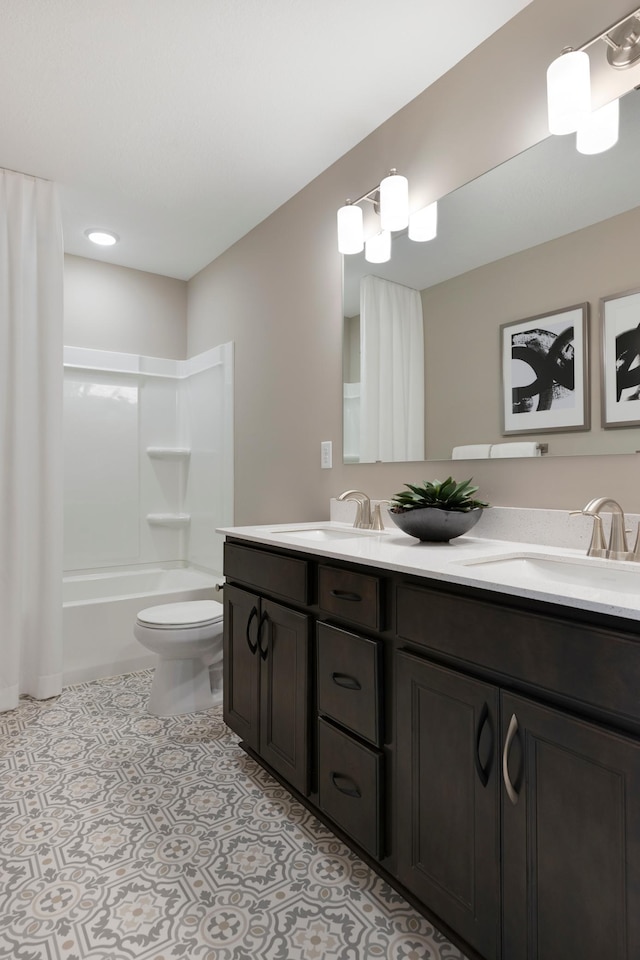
x: 435, y: 510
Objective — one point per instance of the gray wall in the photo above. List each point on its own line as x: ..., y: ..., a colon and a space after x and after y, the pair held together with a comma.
x: 277, y: 292
x: 107, y: 307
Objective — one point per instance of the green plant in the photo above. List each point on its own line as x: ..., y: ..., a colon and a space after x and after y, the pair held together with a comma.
x: 445, y: 495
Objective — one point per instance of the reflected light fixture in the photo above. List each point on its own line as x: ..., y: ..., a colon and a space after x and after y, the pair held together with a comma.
x: 377, y: 249
x: 569, y: 87
x: 390, y: 200
x: 104, y: 238
x: 423, y: 224
x: 599, y: 131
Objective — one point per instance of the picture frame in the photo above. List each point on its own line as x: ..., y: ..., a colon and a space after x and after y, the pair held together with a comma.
x: 620, y: 362
x: 545, y: 372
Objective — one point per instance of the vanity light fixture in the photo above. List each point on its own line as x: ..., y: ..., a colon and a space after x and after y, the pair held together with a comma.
x: 390, y: 200
x: 104, y: 238
x: 569, y: 86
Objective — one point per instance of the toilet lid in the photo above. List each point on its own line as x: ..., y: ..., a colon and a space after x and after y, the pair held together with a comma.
x: 191, y: 613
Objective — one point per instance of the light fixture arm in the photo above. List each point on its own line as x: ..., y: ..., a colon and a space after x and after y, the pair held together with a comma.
x: 635, y: 14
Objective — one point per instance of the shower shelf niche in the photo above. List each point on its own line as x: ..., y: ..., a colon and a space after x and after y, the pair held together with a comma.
x: 168, y: 453
x: 169, y: 519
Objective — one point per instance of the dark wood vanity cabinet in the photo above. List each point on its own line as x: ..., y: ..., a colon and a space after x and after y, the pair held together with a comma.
x: 448, y: 797
x: 518, y: 814
x: 266, y: 673
x: 570, y: 836
x: 484, y: 749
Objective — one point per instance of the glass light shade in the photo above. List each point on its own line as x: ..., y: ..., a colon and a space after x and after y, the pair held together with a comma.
x: 350, y: 229
x: 423, y: 224
x: 102, y: 237
x: 568, y: 91
x: 599, y: 131
x: 394, y: 202
x: 377, y: 249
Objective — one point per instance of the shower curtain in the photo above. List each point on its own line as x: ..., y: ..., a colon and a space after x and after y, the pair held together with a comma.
x: 31, y: 278
x: 391, y: 372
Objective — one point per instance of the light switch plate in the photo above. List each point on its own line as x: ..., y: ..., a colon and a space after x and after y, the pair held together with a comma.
x: 326, y: 455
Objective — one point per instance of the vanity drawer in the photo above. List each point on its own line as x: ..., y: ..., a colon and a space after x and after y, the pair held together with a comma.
x: 350, y: 785
x: 348, y: 680
x: 286, y: 577
x: 593, y: 667
x: 350, y: 596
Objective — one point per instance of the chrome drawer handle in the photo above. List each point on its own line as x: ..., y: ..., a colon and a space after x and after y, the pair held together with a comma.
x: 511, y: 732
x: 352, y: 791
x: 344, y: 680
x: 346, y: 595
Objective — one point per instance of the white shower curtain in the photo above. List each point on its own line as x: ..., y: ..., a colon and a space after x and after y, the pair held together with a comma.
x: 31, y: 278
x: 391, y: 372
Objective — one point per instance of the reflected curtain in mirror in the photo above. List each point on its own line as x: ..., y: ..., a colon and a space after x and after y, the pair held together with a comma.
x: 391, y: 372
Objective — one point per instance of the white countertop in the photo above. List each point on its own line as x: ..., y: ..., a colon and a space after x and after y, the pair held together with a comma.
x: 612, y: 589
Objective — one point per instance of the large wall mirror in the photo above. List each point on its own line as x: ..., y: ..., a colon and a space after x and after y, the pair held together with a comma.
x: 545, y: 231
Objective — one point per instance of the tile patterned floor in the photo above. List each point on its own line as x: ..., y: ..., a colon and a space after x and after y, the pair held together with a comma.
x: 129, y: 836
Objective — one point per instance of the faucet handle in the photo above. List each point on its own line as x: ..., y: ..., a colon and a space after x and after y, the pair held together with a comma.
x: 598, y: 546
x: 378, y: 522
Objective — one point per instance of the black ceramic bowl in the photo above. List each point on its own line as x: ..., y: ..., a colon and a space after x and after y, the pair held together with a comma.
x: 435, y: 525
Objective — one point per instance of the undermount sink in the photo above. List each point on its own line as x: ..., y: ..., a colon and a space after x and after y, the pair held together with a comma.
x: 531, y: 568
x: 322, y: 534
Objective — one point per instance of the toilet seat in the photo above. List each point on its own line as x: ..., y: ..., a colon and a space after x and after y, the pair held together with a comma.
x: 189, y: 614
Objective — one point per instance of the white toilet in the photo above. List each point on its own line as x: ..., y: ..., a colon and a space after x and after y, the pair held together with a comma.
x: 187, y: 637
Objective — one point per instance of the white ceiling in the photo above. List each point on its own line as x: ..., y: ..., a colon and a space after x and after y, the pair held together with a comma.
x: 180, y: 126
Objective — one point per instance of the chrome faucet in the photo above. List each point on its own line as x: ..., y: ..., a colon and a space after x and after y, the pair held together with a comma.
x: 617, y: 548
x: 363, y: 510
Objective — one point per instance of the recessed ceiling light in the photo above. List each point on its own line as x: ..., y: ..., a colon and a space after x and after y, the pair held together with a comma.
x: 102, y: 237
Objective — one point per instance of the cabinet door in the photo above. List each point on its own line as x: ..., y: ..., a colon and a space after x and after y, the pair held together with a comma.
x: 284, y: 696
x: 242, y: 664
x: 447, y: 797
x: 571, y: 837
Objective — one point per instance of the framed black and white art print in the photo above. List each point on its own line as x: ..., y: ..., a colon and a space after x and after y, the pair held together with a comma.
x: 545, y: 372
x: 620, y: 317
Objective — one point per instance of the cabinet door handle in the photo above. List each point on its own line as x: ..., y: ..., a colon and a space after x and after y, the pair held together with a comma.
x: 345, y: 680
x: 252, y: 646
x: 483, y: 772
x: 349, y: 791
x: 346, y: 595
x: 511, y: 732
x: 264, y: 650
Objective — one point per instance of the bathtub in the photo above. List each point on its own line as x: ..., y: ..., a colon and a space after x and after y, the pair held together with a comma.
x: 99, y: 611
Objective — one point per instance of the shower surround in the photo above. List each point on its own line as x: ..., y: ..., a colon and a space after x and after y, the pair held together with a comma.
x: 148, y: 453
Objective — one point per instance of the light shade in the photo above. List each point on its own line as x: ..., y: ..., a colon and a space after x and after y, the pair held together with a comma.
x: 104, y: 238
x: 423, y: 224
x: 600, y: 130
x: 394, y: 202
x: 568, y: 91
x: 377, y: 249
x: 350, y: 229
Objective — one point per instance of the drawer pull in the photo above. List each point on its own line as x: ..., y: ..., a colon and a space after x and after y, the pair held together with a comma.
x: 483, y: 772
x: 344, y: 680
x: 253, y: 646
x: 511, y: 732
x: 346, y: 595
x: 349, y: 791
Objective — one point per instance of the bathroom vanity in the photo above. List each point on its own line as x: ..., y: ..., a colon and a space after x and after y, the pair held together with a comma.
x: 477, y: 740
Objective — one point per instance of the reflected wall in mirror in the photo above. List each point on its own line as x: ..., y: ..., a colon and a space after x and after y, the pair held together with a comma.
x: 545, y: 230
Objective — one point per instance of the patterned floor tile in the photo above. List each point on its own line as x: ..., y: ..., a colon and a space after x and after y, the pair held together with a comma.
x: 130, y: 837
